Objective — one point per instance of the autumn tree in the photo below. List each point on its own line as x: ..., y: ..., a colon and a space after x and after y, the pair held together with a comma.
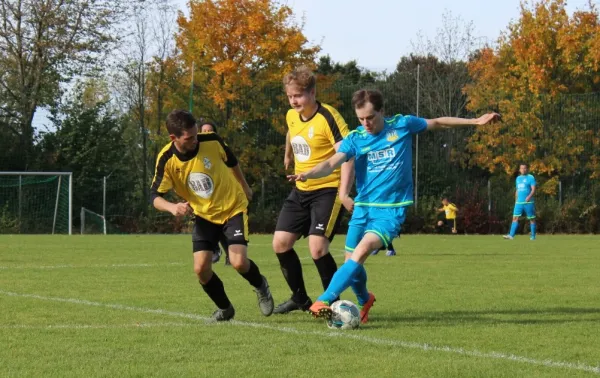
x: 44, y: 43
x: 544, y: 56
x: 238, y: 48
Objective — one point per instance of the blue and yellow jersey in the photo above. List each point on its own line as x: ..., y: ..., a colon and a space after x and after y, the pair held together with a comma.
x: 383, y: 162
x: 524, y: 184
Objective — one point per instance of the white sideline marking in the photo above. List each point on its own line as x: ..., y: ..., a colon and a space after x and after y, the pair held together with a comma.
x: 347, y: 335
x: 88, y: 266
x: 98, y: 326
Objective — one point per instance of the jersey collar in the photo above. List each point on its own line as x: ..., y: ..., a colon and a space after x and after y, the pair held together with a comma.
x: 312, y: 116
x: 185, y: 156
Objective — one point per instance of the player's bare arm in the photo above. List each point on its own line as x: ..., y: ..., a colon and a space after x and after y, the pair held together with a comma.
x: 530, y: 196
x: 177, y: 209
x: 452, y: 122
x: 288, y: 159
x: 239, y: 176
x: 322, y: 169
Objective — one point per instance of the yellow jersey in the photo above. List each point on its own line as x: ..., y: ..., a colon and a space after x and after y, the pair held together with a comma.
x: 450, y: 210
x: 313, y: 142
x: 202, y: 177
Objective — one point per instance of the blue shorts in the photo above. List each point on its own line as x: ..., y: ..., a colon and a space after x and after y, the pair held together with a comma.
x: 528, y: 208
x: 384, y: 222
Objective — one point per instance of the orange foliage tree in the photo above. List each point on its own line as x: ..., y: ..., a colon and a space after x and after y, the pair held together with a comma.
x: 544, y: 55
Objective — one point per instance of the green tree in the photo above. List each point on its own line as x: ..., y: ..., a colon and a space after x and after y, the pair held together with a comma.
x: 44, y: 43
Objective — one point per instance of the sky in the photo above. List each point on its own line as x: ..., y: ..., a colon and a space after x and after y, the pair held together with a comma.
x: 376, y: 33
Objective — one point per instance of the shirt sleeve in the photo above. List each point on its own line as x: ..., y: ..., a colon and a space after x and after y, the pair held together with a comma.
x: 162, y: 182
x: 348, y: 148
x: 415, y: 124
x: 337, y: 127
x: 531, y: 180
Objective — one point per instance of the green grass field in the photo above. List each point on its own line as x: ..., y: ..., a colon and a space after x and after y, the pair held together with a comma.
x: 462, y: 306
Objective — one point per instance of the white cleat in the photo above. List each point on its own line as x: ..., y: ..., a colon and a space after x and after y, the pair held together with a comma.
x: 508, y: 237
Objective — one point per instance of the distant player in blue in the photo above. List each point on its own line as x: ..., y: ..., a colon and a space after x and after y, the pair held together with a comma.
x: 382, y: 149
x: 523, y: 202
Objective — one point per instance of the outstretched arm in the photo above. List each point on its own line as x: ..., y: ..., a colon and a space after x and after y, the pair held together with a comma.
x: 239, y: 176
x: 322, y: 169
x: 452, y: 122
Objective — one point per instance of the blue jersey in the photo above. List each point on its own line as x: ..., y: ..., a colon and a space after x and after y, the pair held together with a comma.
x: 383, y: 162
x: 524, y: 184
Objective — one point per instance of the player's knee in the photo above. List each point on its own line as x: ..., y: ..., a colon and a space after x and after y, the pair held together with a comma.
x: 238, y: 264
x: 204, y: 275
x: 515, y: 219
x: 439, y: 223
x: 282, y: 244
x: 203, y: 272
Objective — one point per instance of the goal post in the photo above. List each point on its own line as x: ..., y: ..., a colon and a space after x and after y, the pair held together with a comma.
x: 92, y: 222
x: 36, y: 202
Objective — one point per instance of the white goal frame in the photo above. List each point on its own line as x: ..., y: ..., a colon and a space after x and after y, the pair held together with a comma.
x: 60, y: 176
x: 83, y: 211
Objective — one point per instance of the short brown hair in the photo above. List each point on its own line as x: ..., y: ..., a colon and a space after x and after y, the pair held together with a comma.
x: 362, y: 96
x: 301, y: 76
x: 179, y: 120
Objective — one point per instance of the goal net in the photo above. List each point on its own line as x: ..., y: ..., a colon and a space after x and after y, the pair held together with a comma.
x: 36, y: 202
x: 91, y: 222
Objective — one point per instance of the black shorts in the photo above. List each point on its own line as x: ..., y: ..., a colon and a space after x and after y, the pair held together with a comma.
x: 317, y: 212
x: 449, y: 224
x: 206, y: 235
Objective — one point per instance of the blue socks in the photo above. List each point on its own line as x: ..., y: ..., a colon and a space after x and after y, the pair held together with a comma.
x: 513, y: 228
x: 533, y: 227
x: 359, y: 286
x: 341, y: 280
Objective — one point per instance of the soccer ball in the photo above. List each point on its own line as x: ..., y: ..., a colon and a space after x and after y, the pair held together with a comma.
x: 345, y: 315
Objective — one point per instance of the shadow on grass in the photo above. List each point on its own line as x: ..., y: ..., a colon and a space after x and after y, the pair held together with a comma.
x: 557, y: 315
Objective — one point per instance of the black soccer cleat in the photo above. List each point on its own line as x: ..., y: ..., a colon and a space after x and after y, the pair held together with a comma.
x: 290, y: 305
x: 222, y: 315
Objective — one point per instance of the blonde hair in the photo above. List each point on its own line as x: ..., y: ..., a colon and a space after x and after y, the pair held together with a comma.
x: 302, y: 77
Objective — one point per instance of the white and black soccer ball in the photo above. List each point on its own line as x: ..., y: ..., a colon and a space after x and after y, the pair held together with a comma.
x: 346, y: 315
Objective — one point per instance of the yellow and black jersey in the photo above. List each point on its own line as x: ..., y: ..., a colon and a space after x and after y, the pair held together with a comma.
x: 450, y: 209
x: 202, y: 177
x: 312, y: 142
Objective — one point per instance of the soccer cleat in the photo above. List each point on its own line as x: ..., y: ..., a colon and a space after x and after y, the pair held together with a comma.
x: 508, y: 237
x: 375, y: 251
x: 265, y: 299
x: 364, y: 309
x: 222, y: 315
x: 532, y: 238
x: 320, y: 309
x: 291, y: 305
x: 390, y: 252
x: 216, y: 255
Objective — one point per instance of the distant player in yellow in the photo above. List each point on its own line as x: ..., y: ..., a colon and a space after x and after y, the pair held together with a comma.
x: 202, y: 170
x: 449, y: 209
x: 313, y: 208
